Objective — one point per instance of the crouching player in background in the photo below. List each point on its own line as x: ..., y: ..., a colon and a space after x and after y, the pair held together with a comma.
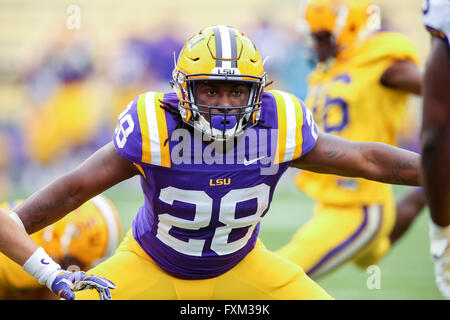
x: 79, y: 241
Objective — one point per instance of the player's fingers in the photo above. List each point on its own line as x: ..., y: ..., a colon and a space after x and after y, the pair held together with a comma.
x: 105, y: 294
x: 99, y: 281
x: 109, y: 283
x: 67, y: 293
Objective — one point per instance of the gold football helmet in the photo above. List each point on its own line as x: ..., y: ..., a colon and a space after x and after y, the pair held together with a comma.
x: 345, y: 19
x: 219, y: 53
x: 87, y: 235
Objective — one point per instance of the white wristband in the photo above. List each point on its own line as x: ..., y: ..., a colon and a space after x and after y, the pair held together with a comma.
x: 42, y: 267
x: 438, y: 232
x: 16, y: 219
x: 439, y: 239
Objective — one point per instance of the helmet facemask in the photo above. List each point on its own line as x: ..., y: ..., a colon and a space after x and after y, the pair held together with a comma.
x: 220, y: 122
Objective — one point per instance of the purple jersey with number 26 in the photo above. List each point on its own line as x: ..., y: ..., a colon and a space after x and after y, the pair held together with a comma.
x: 203, y: 205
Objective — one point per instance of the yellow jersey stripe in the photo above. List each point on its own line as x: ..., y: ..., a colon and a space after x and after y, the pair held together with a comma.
x: 162, y: 130
x: 290, y: 126
x: 152, y: 120
x: 145, y: 134
x: 290, y: 123
x: 152, y: 124
x: 281, y: 113
x: 298, y: 131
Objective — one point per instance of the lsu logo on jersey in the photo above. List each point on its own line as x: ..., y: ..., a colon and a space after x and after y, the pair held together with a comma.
x: 219, y: 182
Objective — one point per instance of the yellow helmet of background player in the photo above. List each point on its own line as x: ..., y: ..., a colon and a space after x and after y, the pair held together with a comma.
x: 219, y: 53
x: 89, y: 234
x: 345, y: 19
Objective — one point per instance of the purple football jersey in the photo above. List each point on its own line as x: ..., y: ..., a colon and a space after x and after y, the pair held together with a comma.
x: 203, y: 205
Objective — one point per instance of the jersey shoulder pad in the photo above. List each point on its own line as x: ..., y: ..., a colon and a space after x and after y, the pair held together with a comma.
x: 296, y: 129
x: 388, y: 45
x: 141, y: 132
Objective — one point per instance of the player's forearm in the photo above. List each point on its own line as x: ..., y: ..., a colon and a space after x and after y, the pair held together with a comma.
x: 50, y: 204
x: 436, y: 170
x: 388, y: 164
x: 14, y: 242
x: 104, y: 169
x: 436, y: 132
x: 403, y: 75
x: 369, y: 160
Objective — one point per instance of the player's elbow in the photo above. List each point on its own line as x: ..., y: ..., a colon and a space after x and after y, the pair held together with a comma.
x: 368, y: 166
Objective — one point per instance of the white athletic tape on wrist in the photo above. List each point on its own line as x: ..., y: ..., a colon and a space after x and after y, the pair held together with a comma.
x: 438, y: 232
x: 16, y: 219
x: 439, y: 239
x: 42, y: 267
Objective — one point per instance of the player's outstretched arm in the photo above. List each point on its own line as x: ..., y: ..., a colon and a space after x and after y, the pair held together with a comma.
x: 370, y: 160
x: 104, y: 169
x: 19, y: 247
x: 403, y: 75
x: 14, y: 241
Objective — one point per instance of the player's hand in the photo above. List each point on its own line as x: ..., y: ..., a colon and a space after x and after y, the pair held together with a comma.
x: 440, y: 253
x: 62, y: 282
x: 65, y: 283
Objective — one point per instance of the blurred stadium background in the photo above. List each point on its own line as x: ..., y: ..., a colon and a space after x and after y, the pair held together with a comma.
x: 67, y: 69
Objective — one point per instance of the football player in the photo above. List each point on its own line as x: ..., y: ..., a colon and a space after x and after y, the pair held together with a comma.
x: 358, y: 91
x: 436, y: 137
x: 79, y: 241
x: 209, y: 157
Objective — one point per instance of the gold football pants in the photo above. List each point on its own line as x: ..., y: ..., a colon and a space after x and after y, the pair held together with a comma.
x: 261, y: 275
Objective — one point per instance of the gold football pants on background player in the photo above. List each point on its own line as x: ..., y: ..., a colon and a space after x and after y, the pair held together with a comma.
x: 337, y: 234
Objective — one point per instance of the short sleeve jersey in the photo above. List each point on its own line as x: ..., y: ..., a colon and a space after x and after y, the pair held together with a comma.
x: 203, y: 201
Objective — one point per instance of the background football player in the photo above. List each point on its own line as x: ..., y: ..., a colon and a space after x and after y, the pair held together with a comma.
x: 436, y: 137
x: 79, y: 241
x: 196, y: 234
x: 358, y: 91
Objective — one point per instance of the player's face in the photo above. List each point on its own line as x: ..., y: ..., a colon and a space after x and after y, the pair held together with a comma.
x: 324, y: 44
x: 221, y: 94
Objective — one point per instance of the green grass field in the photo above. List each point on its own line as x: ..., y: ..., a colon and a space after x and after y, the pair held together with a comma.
x: 406, y: 271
